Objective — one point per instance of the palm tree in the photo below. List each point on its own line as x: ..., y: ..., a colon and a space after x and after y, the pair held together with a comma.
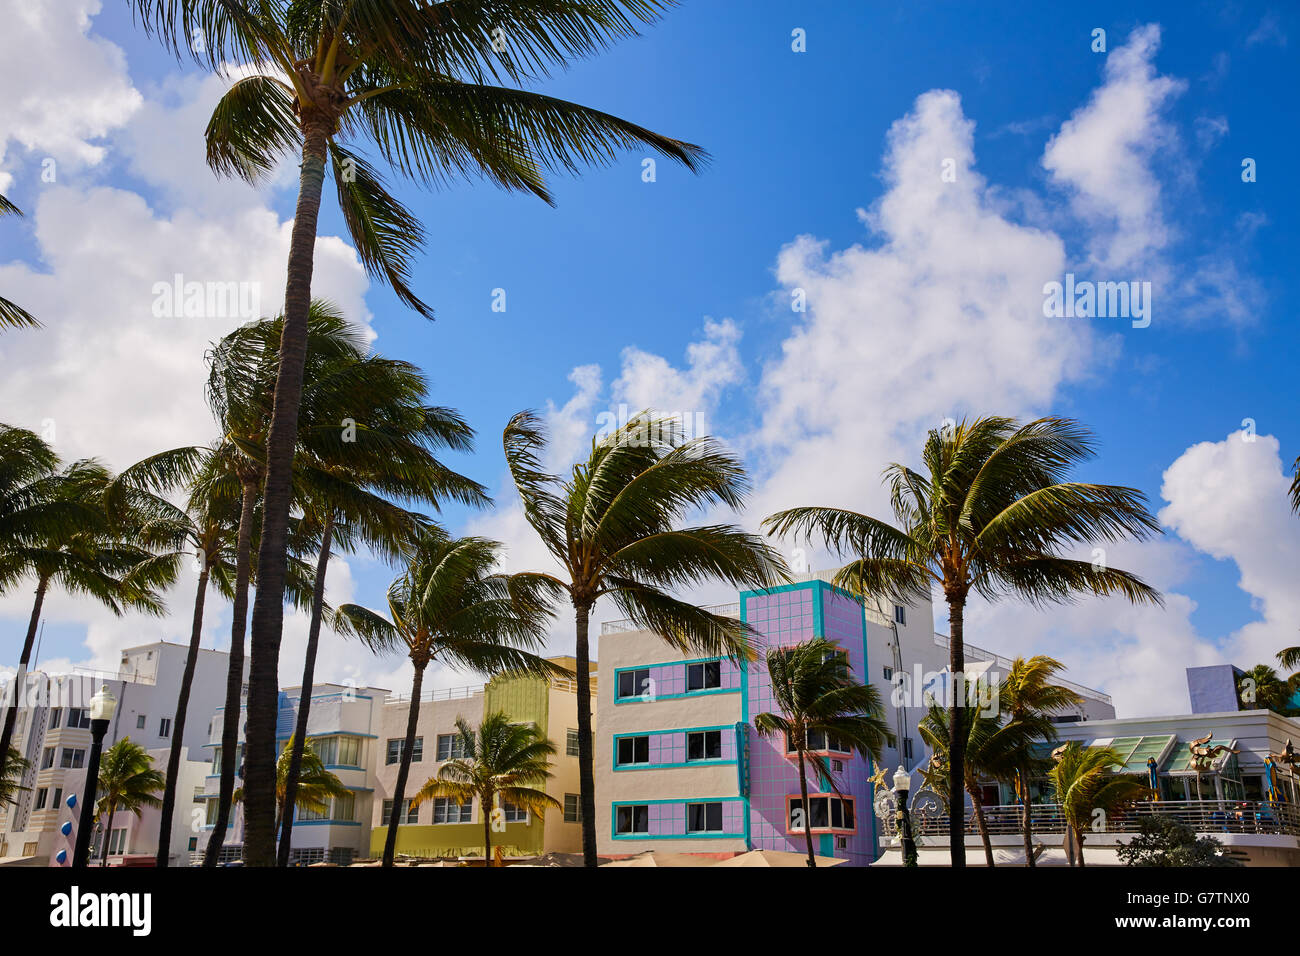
x: 1270, y: 691
x: 614, y: 529
x: 993, y: 516
x: 1289, y: 657
x: 316, y: 785
x: 816, y: 692
x: 127, y: 781
x: 14, y: 768
x: 1084, y: 782
x: 1295, y: 486
x: 12, y: 315
x: 62, y: 535
x: 408, y: 77
x: 503, y: 759
x: 449, y: 606
x: 993, y: 749
x: 348, y: 482
x: 1027, y: 696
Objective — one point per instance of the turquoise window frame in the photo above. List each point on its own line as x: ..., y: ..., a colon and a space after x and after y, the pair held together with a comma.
x: 709, y: 762
x: 640, y: 698
x: 682, y: 802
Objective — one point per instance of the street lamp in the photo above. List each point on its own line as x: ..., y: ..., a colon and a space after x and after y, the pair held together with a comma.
x: 903, y: 784
x: 102, y: 706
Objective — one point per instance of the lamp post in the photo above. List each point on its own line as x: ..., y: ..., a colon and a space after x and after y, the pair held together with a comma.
x: 902, y: 785
x: 102, y: 706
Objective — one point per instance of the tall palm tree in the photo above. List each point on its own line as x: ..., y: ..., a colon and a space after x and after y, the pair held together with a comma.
x: 410, y: 79
x: 1289, y: 657
x: 348, y: 483
x: 1295, y: 486
x: 504, y: 760
x: 816, y: 693
x: 1271, y: 691
x: 614, y: 528
x: 104, y: 554
x: 127, y: 781
x: 1027, y: 696
x: 993, y: 749
x: 12, y: 315
x: 993, y: 515
x: 451, y: 607
x: 1084, y: 782
x: 10, y: 783
x: 316, y: 785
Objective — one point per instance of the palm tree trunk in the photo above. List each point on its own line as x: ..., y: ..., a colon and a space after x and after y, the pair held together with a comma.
x: 977, y: 802
x: 304, y: 699
x: 807, y: 810
x: 404, y: 767
x: 20, y: 679
x: 586, y: 774
x: 1027, y: 818
x: 956, y: 735
x: 178, y: 721
x: 1068, y: 844
x: 1078, y: 839
x: 487, y: 832
x: 235, y: 675
x: 268, y: 605
x: 108, y: 834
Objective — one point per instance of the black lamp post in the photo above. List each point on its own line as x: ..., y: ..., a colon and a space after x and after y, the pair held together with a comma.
x: 902, y: 786
x: 102, y: 706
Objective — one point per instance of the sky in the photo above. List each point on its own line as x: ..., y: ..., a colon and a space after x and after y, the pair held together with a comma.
x: 891, y: 191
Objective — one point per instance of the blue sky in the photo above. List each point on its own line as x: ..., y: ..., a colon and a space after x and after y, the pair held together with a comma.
x: 623, y: 275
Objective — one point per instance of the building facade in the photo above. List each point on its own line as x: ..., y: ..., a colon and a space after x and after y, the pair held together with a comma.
x: 52, y: 732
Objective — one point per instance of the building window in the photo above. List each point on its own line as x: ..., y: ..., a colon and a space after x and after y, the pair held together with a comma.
x: 444, y: 811
x: 394, y: 754
x: 58, y: 795
x: 78, y: 718
x: 706, y: 675
x: 345, y: 807
x: 704, y: 818
x: 633, y: 683
x: 704, y: 745
x: 42, y: 795
x: 889, y: 673
x: 818, y: 740
x: 450, y: 747
x: 907, y: 748
x: 54, y: 718
x: 117, y: 842
x: 633, y: 750
x: 194, y: 844
x: 47, y: 758
x: 514, y: 814
x: 139, y: 722
x: 572, y: 808
x: 346, y: 751
x: 824, y: 813
x: 408, y: 814
x: 900, y: 615
x: 632, y: 819
x: 72, y: 758
x: 165, y: 727
x: 571, y: 743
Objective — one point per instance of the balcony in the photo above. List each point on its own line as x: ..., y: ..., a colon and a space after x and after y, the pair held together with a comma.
x: 1208, y: 817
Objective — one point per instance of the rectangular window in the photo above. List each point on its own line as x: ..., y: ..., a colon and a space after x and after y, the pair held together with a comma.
x: 633, y: 750
x: 706, y: 675
x: 633, y: 683
x: 72, y: 758
x: 394, y: 753
x: 572, y: 808
x: 165, y: 727
x: 47, y: 758
x: 704, y: 745
x: 818, y: 740
x: 117, y: 843
x: 444, y: 811
x: 889, y: 673
x: 571, y: 743
x: 450, y: 747
x: 907, y: 748
x: 58, y: 795
x: 345, y: 807
x: 632, y: 819
x: 704, y: 818
x: 78, y: 718
x: 514, y: 814
x: 42, y: 795
x: 212, y: 812
x: 900, y: 614
x: 194, y: 844
x: 823, y: 813
x: 408, y: 815
x: 54, y: 718
x: 350, y: 751
x: 139, y: 722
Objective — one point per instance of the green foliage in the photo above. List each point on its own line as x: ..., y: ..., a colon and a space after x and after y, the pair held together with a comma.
x: 1164, y: 841
x: 127, y: 780
x: 1262, y: 689
x: 14, y: 767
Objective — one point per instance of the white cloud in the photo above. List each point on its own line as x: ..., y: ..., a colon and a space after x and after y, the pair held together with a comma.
x: 66, y: 89
x: 1103, y: 154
